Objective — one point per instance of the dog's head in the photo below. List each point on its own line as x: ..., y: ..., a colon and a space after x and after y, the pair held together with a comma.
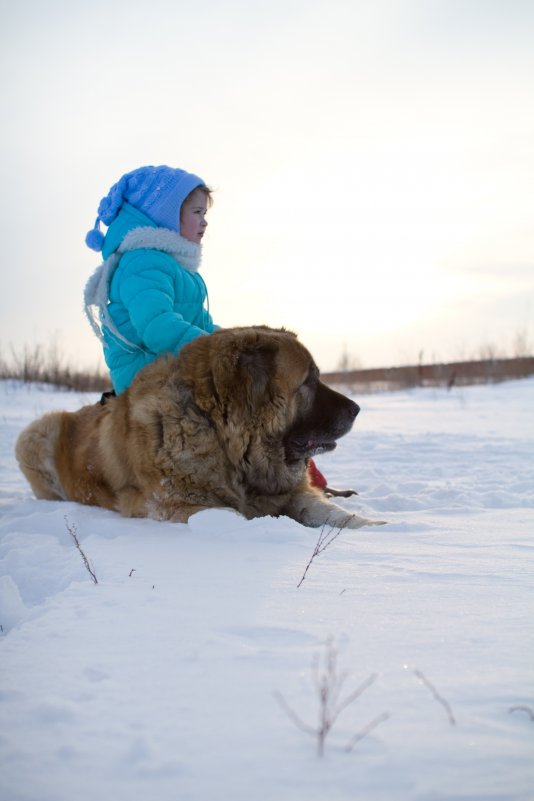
x: 322, y: 417
x: 261, y: 386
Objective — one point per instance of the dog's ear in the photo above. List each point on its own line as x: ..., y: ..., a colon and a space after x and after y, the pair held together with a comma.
x: 255, y: 366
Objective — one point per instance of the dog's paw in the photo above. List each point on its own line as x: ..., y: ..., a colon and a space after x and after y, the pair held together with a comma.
x: 355, y: 521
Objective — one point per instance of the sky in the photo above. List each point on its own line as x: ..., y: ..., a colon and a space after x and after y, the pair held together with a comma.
x: 372, y: 165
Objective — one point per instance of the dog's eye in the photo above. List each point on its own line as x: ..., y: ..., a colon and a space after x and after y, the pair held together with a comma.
x: 311, y: 378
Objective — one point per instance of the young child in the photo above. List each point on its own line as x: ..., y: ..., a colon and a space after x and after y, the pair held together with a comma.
x: 147, y: 297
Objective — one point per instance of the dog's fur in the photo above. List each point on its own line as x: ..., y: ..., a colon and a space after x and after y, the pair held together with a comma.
x: 229, y: 422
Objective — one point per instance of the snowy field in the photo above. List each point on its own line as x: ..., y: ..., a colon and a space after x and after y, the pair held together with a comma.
x: 186, y: 672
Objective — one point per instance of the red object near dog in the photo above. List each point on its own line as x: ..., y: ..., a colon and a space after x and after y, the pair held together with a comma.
x: 316, y: 477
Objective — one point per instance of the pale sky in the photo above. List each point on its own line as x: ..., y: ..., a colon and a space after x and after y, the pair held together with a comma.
x: 372, y: 161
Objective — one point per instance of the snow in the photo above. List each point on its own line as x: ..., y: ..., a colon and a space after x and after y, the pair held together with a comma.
x: 160, y: 680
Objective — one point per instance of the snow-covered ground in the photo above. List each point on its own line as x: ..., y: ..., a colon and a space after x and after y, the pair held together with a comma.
x: 160, y: 681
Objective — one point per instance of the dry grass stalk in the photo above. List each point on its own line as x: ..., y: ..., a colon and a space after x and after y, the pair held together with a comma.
x: 526, y: 709
x: 71, y: 528
x: 367, y: 730
x: 439, y: 698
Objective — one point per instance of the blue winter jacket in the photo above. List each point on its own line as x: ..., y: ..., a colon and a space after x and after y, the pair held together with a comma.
x: 154, y: 303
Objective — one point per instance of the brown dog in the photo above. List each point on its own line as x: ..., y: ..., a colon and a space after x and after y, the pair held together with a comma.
x: 229, y: 422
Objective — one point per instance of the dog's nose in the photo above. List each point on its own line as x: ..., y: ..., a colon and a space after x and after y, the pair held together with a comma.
x: 354, y: 409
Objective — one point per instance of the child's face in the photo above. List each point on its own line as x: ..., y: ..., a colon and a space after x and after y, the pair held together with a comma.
x: 193, y: 216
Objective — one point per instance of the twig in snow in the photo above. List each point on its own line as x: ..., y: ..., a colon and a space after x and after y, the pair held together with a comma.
x: 71, y: 528
x: 326, y: 538
x: 328, y: 684
x: 439, y: 698
x: 526, y: 709
x: 367, y: 730
x: 292, y: 715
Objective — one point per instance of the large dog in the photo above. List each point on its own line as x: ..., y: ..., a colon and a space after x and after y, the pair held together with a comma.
x: 229, y: 422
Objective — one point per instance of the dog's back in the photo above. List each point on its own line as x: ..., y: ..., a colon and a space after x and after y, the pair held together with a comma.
x: 83, y: 456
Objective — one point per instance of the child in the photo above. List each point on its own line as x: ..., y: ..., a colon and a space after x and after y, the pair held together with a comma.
x: 148, y: 298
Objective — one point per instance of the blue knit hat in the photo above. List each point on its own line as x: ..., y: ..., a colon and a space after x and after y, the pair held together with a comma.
x: 156, y: 191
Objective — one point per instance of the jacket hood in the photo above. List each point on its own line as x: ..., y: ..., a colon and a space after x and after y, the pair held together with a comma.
x: 126, y: 220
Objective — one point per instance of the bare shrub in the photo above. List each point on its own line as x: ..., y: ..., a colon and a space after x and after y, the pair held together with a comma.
x: 326, y: 538
x: 489, y: 351
x: 36, y: 364
x: 328, y: 682
x: 347, y: 361
x: 522, y: 346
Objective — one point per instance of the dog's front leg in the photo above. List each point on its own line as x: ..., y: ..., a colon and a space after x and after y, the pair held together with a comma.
x: 310, y: 508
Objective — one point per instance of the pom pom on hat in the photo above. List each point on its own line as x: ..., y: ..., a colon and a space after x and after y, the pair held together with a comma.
x: 95, y: 238
x: 156, y: 191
